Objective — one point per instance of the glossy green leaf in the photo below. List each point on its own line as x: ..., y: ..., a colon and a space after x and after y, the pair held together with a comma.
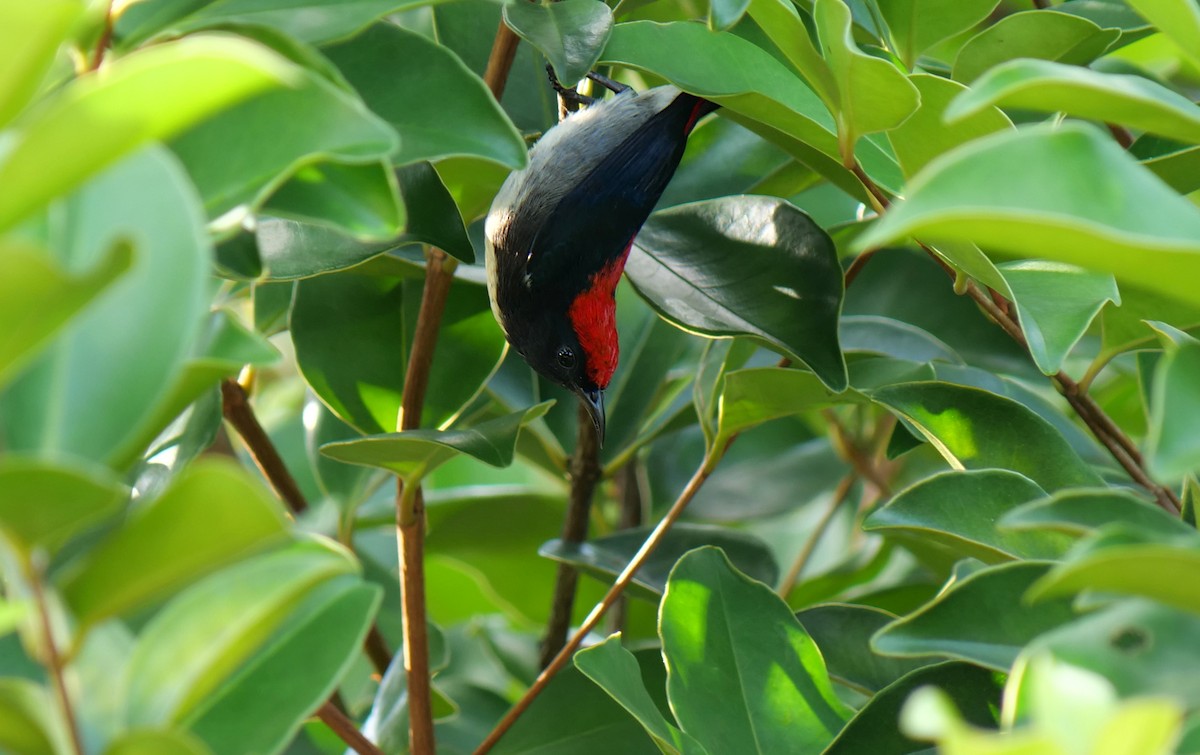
x: 605, y: 557
x: 43, y: 504
x: 157, y: 742
x: 1178, y: 19
x: 959, y: 510
x: 1081, y: 511
x: 25, y: 722
x: 1172, y: 448
x: 292, y: 249
x: 782, y: 24
x: 615, y: 669
x: 982, y: 618
x: 170, y: 541
x: 362, y: 200
x: 926, y: 134
x: 746, y: 266
x: 433, y: 216
x: 1055, y: 304
x: 843, y: 633
x: 975, y: 429
x: 421, y: 101
x: 37, y: 296
x: 872, y: 94
x: 1178, y: 165
x: 893, y: 338
x: 30, y: 35
x: 722, y: 630
x: 918, y: 25
x: 1068, y: 215
x: 89, y: 393
x: 370, y: 312
x: 1040, y: 34
x: 1131, y: 568
x: 874, y: 727
x: 242, y: 154
x: 1109, y: 14
x: 1050, y: 87
x: 262, y: 706
x: 570, y: 33
x: 413, y: 453
x: 148, y: 95
x: 753, y: 396
x: 201, y: 637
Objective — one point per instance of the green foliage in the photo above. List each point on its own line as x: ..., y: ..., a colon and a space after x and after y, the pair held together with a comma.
x: 988, y: 532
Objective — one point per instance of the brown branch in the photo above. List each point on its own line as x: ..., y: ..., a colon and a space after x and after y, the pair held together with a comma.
x: 504, y: 50
x: 105, y: 39
x: 346, y: 730
x: 848, y: 449
x: 585, y: 475
x: 377, y: 649
x: 236, y: 408
x: 839, y: 497
x: 54, y: 659
x: 629, y: 493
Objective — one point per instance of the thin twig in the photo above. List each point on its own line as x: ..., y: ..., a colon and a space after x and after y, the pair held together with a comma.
x: 236, y: 408
x: 839, y: 497
x: 105, y: 38
x: 848, y: 449
x: 347, y: 731
x: 585, y: 475
x: 54, y: 659
x: 623, y: 579
x: 629, y: 494
x: 504, y: 50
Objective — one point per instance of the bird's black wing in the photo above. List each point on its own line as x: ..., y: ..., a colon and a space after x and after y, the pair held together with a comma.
x: 594, y: 222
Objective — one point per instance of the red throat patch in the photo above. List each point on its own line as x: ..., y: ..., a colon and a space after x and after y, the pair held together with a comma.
x: 594, y: 317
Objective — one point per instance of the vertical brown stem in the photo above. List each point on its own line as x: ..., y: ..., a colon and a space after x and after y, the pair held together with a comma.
x: 54, y: 659
x: 629, y: 493
x: 504, y: 50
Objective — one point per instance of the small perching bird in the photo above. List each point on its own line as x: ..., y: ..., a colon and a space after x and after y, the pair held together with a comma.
x: 560, y: 230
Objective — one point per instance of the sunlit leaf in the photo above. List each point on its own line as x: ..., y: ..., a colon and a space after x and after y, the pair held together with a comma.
x: 570, y: 33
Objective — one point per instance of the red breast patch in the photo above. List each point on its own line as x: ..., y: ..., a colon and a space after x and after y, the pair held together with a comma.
x: 594, y: 316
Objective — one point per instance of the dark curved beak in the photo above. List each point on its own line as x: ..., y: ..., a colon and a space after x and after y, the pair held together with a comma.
x: 593, y: 401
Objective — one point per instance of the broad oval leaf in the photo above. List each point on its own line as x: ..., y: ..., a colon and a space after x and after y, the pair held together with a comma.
x: 1068, y: 214
x: 982, y: 618
x: 1049, y: 87
x: 170, y: 541
x: 958, y: 511
x: 746, y: 266
x: 30, y: 35
x: 413, y: 453
x: 1128, y: 569
x: 361, y: 200
x: 1082, y: 511
x: 722, y: 630
x: 1040, y: 34
x: 1173, y: 448
x: 570, y: 33
x: 843, y: 632
x: 917, y: 25
x: 313, y: 21
x: 421, y: 101
x: 26, y: 723
x: 148, y: 95
x: 44, y: 504
x: 976, y: 429
x: 156, y: 742
x: 1178, y: 19
x: 753, y: 396
x: 894, y: 338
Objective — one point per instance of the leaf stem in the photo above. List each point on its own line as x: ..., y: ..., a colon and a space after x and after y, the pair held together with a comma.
x: 236, y: 408
x: 585, y: 475
x: 54, y: 658
x: 105, y: 38
x: 623, y: 579
x: 839, y: 497
x: 341, y: 725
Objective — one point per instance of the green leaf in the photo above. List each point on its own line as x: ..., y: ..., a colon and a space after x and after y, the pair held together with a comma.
x: 872, y: 94
x: 30, y: 35
x: 1081, y: 511
x: 92, y: 390
x: 1176, y: 164
x: 42, y: 505
x: 1055, y: 305
x: 433, y: 216
x: 1049, y: 87
x: 873, y: 728
x: 170, y: 541
x: 975, y: 429
x: 724, y: 14
x: 1040, y: 34
x: 958, y: 511
x: 414, y: 453
x: 1172, y: 448
x: 261, y: 707
x: 1069, y: 214
x: 420, y: 101
x: 37, y: 296
x: 893, y: 338
x: 570, y: 33
x: 25, y: 718
x: 926, y: 134
x: 362, y: 200
x: 982, y: 618
x: 605, y: 557
x: 1127, y: 568
x: 243, y: 154
x: 746, y: 266
x: 781, y: 22
x: 148, y: 95
x: 843, y: 633
x: 722, y: 630
x: 371, y: 312
x: 615, y: 669
x: 918, y: 25
x: 753, y: 396
x: 206, y: 632
x: 1178, y: 19
x: 151, y: 742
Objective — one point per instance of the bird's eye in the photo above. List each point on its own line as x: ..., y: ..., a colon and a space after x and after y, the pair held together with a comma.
x: 566, y: 358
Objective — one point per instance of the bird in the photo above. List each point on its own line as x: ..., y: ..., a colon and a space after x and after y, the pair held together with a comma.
x: 559, y: 231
